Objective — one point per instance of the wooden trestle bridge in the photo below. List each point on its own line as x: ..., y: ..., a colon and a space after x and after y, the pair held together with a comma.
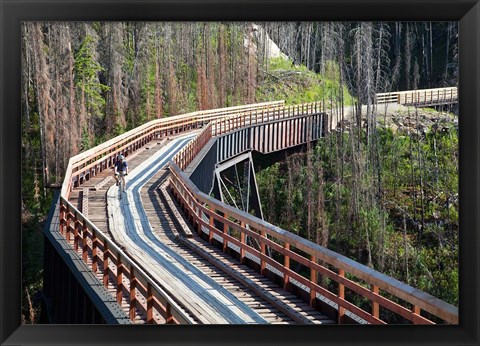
x: 171, y: 250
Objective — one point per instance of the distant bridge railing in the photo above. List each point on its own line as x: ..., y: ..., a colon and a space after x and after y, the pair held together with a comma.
x: 98, y: 251
x: 423, y: 97
x: 228, y: 124
x: 349, y: 285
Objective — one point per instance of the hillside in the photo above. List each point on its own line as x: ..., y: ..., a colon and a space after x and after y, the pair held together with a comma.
x: 297, y: 84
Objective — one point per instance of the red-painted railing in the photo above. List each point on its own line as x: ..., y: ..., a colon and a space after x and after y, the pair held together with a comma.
x: 330, y: 276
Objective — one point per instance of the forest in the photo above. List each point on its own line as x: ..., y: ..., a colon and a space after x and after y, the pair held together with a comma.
x: 386, y: 196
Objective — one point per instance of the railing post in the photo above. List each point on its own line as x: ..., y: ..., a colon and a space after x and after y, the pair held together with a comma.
x: 341, y: 295
x: 286, y: 264
x: 210, y: 233
x: 85, y: 243
x: 191, y: 210
x: 106, y: 275
x: 119, y: 279
x: 169, y: 314
x: 263, y: 248
x: 225, y: 240
x: 75, y: 235
x: 133, y: 298
x: 149, y: 304
x: 242, y: 241
x: 69, y: 226
x: 94, y: 251
x: 375, y: 306
x: 199, y: 229
x: 63, y: 219
x: 313, y: 280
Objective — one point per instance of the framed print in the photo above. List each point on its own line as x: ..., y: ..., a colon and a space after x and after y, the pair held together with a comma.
x: 323, y: 154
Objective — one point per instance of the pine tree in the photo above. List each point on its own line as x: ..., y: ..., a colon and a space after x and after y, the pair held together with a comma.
x: 86, y: 69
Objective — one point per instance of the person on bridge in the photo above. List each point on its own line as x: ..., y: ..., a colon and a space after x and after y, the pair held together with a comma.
x: 121, y: 169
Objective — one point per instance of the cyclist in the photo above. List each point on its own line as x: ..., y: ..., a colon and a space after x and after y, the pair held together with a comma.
x: 121, y: 168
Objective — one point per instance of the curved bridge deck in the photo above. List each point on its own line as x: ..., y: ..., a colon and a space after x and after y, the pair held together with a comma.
x: 176, y: 255
x: 210, y: 286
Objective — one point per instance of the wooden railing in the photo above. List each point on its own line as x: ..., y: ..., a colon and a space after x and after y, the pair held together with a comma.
x: 420, y: 97
x: 251, y: 118
x: 189, y: 151
x: 91, y: 162
x: 387, y: 97
x: 98, y: 252
x: 224, y: 125
x: 342, y: 278
x: 341, y: 271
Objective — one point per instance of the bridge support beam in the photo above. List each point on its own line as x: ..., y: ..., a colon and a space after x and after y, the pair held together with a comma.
x: 245, y: 184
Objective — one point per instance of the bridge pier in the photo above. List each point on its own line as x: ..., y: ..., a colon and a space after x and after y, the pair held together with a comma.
x: 64, y: 300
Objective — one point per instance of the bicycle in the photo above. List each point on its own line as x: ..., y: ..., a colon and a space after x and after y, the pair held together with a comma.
x: 121, y: 183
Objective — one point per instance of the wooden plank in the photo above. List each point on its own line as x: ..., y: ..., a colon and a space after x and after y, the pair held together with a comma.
x: 262, y: 288
x: 100, y: 184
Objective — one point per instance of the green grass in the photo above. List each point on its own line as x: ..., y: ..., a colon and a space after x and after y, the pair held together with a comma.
x: 297, y: 84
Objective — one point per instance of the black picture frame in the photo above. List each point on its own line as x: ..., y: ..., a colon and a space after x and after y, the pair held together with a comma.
x: 13, y: 12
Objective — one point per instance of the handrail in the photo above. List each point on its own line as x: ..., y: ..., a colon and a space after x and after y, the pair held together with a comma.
x: 205, y: 115
x: 197, y: 203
